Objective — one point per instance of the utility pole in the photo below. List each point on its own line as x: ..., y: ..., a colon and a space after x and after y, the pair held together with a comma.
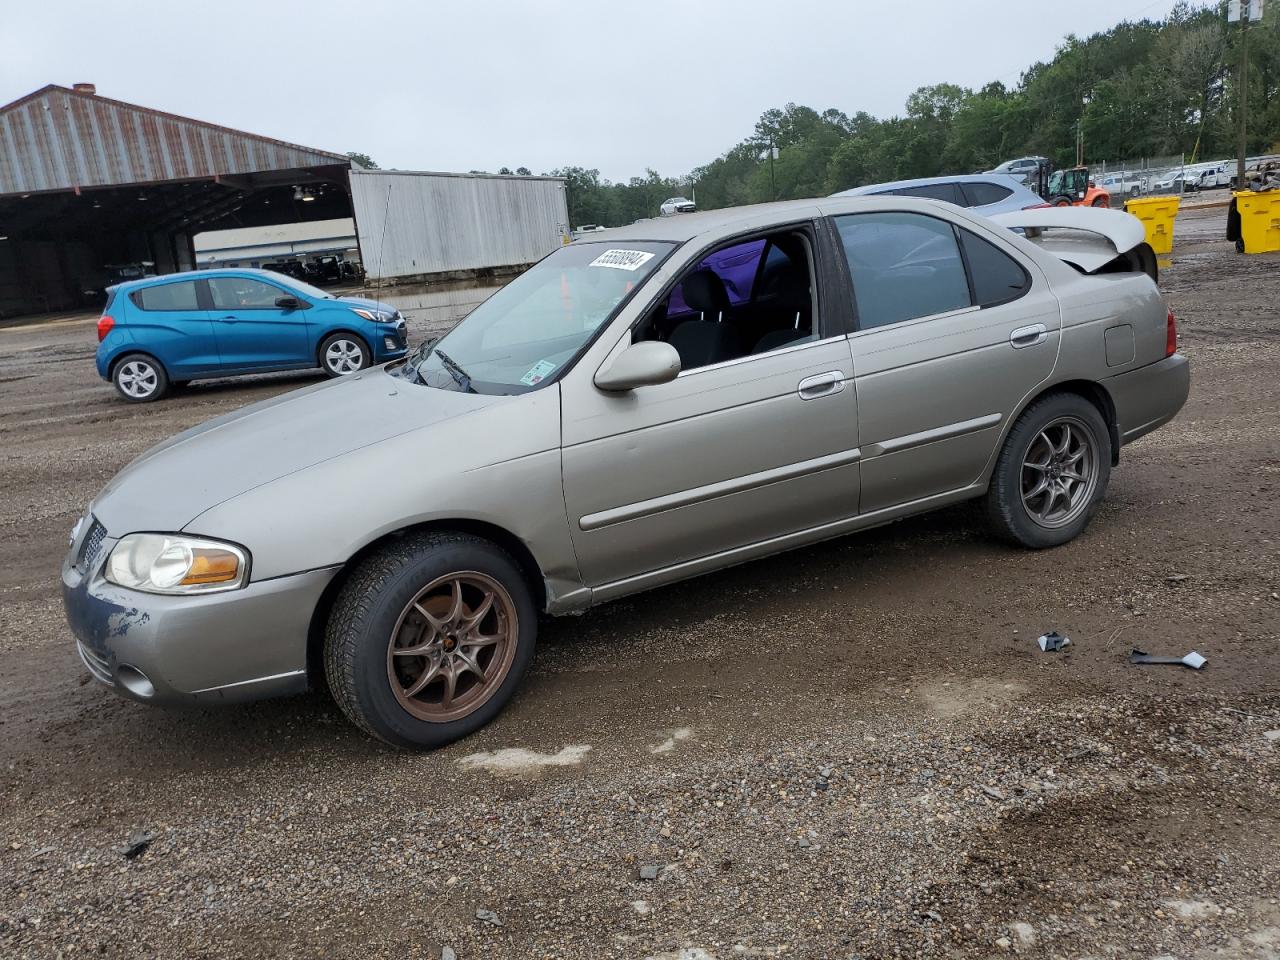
x: 1244, y: 11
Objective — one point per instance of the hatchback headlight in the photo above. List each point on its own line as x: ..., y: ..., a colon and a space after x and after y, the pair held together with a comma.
x: 169, y: 563
x: 377, y: 316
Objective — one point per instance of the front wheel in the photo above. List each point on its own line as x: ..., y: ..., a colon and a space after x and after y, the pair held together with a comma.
x: 1101, y: 202
x: 1052, y: 473
x: 342, y: 354
x: 429, y: 638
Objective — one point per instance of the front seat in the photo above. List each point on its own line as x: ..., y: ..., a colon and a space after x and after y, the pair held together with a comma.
x: 710, y: 339
x: 792, y: 300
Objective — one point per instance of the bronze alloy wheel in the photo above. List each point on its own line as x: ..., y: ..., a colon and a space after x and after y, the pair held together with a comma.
x: 1060, y: 472
x: 452, y: 646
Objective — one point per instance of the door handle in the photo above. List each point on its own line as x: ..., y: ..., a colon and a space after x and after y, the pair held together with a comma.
x: 1029, y: 336
x: 227, y: 319
x: 821, y: 385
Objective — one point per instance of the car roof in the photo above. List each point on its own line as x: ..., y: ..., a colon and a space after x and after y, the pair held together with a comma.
x: 682, y: 227
x: 181, y: 275
x: 685, y: 226
x: 1002, y: 179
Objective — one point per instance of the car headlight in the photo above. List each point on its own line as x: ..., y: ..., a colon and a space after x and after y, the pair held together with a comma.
x: 377, y: 316
x: 170, y: 563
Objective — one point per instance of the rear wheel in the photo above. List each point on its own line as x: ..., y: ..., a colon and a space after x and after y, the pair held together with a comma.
x: 140, y: 378
x: 1101, y: 202
x: 1052, y: 473
x: 1062, y: 202
x: 429, y: 638
x: 343, y: 353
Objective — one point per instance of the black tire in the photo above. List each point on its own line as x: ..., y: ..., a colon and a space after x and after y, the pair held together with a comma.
x: 368, y: 613
x: 140, y: 378
x: 1009, y: 515
x: 347, y: 344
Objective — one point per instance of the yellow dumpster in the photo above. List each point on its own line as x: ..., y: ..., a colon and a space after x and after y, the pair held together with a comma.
x: 1259, y: 220
x: 1156, y: 214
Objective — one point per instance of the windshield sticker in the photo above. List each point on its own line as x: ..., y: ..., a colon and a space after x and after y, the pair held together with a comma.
x: 622, y: 259
x: 538, y: 372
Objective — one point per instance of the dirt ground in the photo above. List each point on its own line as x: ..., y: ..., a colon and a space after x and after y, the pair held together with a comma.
x: 854, y: 750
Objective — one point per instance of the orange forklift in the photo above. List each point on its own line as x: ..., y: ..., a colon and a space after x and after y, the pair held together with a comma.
x: 1069, y: 187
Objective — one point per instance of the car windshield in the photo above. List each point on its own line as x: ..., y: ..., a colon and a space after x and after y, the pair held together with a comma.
x: 306, y: 289
x: 528, y: 331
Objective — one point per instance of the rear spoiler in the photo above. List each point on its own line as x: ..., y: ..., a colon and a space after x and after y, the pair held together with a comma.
x: 1091, y: 240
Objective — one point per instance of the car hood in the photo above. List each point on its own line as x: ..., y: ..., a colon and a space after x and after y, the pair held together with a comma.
x: 364, y: 302
x: 176, y: 481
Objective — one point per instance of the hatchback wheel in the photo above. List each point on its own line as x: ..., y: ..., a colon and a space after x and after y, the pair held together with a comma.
x: 343, y: 353
x: 140, y: 378
x: 429, y: 638
x: 1052, y: 472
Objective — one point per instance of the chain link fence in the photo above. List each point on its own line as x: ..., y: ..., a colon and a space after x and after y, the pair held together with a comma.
x: 1145, y: 177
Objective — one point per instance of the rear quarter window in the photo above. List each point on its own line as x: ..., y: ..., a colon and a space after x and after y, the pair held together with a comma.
x: 980, y: 194
x: 167, y: 296
x: 996, y: 277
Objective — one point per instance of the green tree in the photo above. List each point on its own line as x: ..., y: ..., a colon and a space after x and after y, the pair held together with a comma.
x: 363, y: 160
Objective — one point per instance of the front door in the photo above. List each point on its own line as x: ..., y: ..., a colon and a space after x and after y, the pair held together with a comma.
x: 953, y: 330
x: 252, y: 331
x: 756, y: 438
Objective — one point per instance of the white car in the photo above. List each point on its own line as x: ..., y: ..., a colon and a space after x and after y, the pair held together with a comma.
x: 1124, y: 184
x: 677, y: 205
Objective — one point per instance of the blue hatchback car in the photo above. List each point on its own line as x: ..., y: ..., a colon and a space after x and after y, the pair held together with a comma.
x: 165, y: 331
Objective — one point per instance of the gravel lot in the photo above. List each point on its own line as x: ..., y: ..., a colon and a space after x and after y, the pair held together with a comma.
x: 854, y: 750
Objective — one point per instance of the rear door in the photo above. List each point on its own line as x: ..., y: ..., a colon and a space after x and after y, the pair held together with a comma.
x: 953, y: 329
x: 254, y: 333
x: 169, y: 321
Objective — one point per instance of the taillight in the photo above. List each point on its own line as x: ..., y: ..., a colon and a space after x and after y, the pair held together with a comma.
x: 105, y: 323
x: 1038, y: 206
x: 1171, y: 336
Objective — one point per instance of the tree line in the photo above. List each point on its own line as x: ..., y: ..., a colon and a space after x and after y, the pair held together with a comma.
x: 1141, y: 89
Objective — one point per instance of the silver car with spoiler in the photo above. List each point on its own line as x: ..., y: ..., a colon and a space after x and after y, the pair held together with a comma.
x: 645, y: 405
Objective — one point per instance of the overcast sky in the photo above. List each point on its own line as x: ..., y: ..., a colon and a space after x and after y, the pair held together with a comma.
x: 425, y: 85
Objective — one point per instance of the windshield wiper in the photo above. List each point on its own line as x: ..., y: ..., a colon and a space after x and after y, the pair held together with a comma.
x: 459, y: 375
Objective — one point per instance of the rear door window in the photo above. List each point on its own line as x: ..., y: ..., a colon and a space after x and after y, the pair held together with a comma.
x: 949, y: 192
x: 903, y: 266
x: 996, y: 276
x: 980, y: 194
x: 167, y: 296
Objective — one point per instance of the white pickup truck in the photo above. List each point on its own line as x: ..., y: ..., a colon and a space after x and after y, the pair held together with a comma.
x: 1124, y: 184
x: 1216, y: 176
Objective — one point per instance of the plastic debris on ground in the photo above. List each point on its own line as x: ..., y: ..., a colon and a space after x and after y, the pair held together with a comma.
x: 1193, y: 660
x: 1053, y: 641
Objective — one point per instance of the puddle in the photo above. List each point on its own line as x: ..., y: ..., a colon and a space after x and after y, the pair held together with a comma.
x: 518, y: 761
x: 677, y: 735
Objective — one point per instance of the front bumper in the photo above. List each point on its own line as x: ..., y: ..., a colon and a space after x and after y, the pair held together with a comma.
x: 1150, y: 396
x: 392, y: 341
x: 228, y: 647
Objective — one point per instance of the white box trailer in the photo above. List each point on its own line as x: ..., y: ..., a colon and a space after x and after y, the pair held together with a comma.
x: 415, y: 226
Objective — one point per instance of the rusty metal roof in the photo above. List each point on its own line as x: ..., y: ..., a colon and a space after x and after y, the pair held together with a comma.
x: 63, y: 139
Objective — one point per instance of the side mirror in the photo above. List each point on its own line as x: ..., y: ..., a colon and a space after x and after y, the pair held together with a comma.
x: 288, y: 303
x: 642, y: 364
